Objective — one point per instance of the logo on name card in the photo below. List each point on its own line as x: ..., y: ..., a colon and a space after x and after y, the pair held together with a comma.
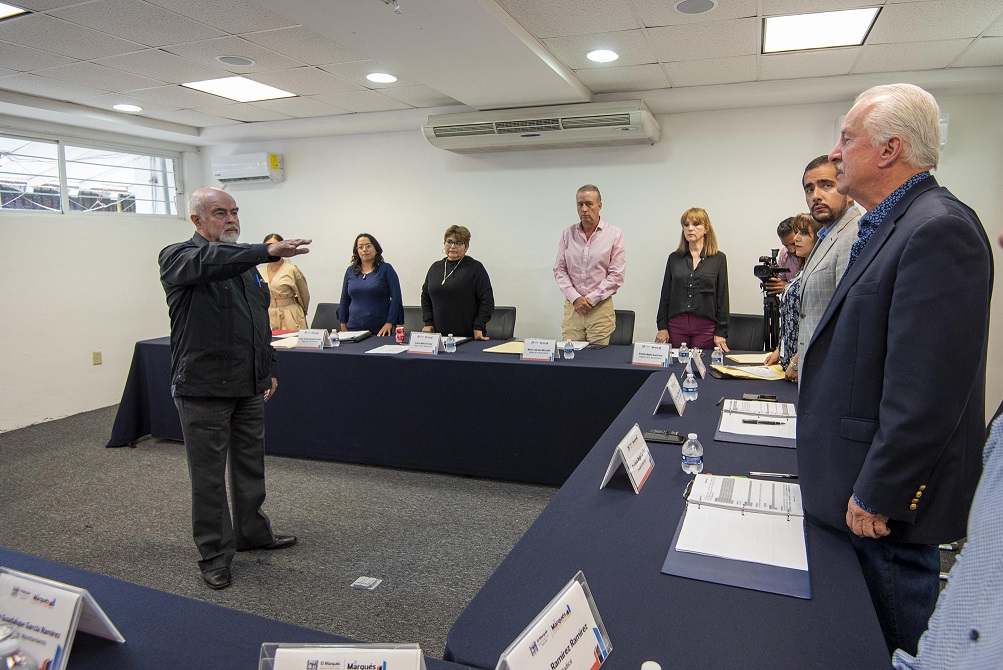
x: 312, y: 665
x: 534, y: 646
x: 48, y: 603
x: 559, y: 621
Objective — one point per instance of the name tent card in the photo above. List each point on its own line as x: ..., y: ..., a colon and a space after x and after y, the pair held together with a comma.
x: 42, y: 617
x: 535, y: 349
x: 424, y: 343
x: 282, y: 656
x: 649, y: 353
x: 633, y: 454
x: 313, y: 339
x: 699, y: 364
x: 568, y: 634
x: 675, y: 392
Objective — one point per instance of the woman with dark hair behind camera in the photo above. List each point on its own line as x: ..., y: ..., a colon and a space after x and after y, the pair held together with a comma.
x: 371, y: 293
x: 805, y: 236
x: 693, y: 306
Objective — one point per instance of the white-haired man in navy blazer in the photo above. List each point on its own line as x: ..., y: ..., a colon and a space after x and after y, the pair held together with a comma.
x: 892, y: 404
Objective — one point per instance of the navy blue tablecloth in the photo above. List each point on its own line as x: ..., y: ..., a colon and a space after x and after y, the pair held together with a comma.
x: 163, y: 630
x: 620, y: 540
x: 468, y: 413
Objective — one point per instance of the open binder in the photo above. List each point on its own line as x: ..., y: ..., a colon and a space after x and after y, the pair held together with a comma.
x: 760, y: 520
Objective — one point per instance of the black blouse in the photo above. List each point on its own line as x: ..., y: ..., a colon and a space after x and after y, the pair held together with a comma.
x: 701, y: 292
x: 460, y: 305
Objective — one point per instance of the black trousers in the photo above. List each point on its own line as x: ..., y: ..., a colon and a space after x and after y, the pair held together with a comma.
x: 216, y: 429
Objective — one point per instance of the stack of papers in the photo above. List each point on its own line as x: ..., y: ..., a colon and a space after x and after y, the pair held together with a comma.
x: 758, y: 422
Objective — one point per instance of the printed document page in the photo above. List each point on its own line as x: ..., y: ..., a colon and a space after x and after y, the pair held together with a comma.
x: 760, y: 407
x: 743, y: 424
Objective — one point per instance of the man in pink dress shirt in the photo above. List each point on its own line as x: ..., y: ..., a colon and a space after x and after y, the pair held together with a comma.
x: 590, y: 266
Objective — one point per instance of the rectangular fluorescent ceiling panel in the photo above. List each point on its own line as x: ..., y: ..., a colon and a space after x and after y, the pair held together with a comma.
x: 10, y: 10
x: 817, y: 31
x: 239, y: 89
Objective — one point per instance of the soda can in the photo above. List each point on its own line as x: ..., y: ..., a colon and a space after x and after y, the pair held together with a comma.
x: 399, y: 334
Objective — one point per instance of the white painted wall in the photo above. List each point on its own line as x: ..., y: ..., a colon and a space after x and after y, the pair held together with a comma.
x: 97, y: 279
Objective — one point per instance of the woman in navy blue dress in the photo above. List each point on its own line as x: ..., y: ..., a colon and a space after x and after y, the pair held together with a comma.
x: 371, y: 293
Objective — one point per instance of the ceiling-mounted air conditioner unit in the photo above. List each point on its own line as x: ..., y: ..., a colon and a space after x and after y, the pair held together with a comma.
x: 558, y: 126
x: 248, y: 168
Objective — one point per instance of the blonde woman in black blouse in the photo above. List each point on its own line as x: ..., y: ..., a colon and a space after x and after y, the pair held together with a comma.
x: 693, y: 306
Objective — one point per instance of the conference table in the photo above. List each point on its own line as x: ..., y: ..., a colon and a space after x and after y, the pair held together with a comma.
x: 469, y: 413
x: 619, y: 540
x: 163, y: 630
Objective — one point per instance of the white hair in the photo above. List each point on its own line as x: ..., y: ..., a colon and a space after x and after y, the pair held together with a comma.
x: 909, y: 112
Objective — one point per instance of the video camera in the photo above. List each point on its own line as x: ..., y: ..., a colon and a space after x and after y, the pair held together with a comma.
x: 768, y: 267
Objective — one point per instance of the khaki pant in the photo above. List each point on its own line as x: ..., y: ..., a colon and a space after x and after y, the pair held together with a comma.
x: 594, y: 327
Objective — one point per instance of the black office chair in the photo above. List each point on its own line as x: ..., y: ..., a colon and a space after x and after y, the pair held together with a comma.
x: 412, y: 320
x: 624, y: 331
x: 502, y: 324
x: 326, y: 316
x: 746, y: 332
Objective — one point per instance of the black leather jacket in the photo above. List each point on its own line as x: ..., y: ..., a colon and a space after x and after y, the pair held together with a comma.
x: 218, y: 304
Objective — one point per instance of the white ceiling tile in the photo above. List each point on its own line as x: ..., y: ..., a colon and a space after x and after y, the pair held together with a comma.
x: 176, y: 97
x: 996, y: 29
x: 362, y: 101
x: 241, y: 112
x: 985, y: 52
x: 356, y: 73
x: 18, y: 57
x: 7, y: 73
x: 300, y: 108
x: 805, y: 64
x: 165, y: 66
x: 205, y: 52
x: 306, y: 81
x: 622, y: 79
x: 43, y: 5
x: 933, y: 20
x: 305, y: 45
x: 560, y: 18
x: 47, y: 88
x: 64, y: 38
x: 738, y: 37
x: 662, y: 13
x: 97, y: 76
x: 788, y: 7
x: 631, y: 45
x: 144, y: 23
x: 908, y: 57
x: 232, y: 16
x: 192, y: 118
x: 419, y: 96
x: 712, y: 71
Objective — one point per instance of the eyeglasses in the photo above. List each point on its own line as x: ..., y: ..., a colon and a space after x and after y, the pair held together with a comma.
x: 364, y: 247
x: 453, y: 243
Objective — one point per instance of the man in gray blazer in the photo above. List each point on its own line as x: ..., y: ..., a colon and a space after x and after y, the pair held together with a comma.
x: 837, y: 215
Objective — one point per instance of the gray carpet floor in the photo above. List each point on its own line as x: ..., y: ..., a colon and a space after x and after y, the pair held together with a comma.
x: 434, y: 539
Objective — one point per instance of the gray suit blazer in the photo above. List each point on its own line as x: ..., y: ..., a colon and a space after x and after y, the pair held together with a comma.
x: 822, y: 272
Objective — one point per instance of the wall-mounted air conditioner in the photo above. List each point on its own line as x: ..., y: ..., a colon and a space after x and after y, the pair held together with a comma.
x: 586, y: 125
x: 249, y: 168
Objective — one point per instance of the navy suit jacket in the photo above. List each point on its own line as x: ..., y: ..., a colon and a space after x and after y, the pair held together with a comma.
x: 892, y: 402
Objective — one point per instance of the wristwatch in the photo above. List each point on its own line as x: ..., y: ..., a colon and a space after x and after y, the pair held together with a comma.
x: 794, y: 366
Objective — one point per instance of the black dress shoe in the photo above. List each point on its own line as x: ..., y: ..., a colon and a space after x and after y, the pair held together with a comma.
x: 219, y: 578
x: 278, y: 542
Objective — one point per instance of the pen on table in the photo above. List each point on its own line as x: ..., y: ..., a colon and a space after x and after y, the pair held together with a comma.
x: 721, y: 400
x: 764, y: 422
x: 781, y: 475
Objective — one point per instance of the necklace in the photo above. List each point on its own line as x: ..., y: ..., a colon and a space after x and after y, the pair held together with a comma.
x: 444, y: 275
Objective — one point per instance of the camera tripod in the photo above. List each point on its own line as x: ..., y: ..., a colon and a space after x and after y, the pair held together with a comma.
x: 771, y: 321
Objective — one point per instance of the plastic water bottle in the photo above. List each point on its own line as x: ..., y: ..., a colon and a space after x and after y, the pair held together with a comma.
x: 684, y: 354
x: 692, y: 455
x: 335, y: 339
x: 690, y: 390
x: 717, y: 356
x: 450, y: 344
x: 568, y: 350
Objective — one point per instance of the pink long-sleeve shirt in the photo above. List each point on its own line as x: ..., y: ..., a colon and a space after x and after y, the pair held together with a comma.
x: 592, y: 268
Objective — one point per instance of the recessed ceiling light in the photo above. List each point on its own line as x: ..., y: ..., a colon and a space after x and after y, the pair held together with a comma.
x: 818, y: 31
x: 7, y: 11
x: 240, y: 89
x: 381, y: 78
x: 602, y: 55
x: 238, y: 61
x: 127, y: 108
x: 695, y: 6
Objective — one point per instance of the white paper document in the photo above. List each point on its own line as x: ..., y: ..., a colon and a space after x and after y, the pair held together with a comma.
x: 745, y: 520
x: 762, y: 426
x: 389, y: 349
x: 760, y: 371
x: 760, y: 408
